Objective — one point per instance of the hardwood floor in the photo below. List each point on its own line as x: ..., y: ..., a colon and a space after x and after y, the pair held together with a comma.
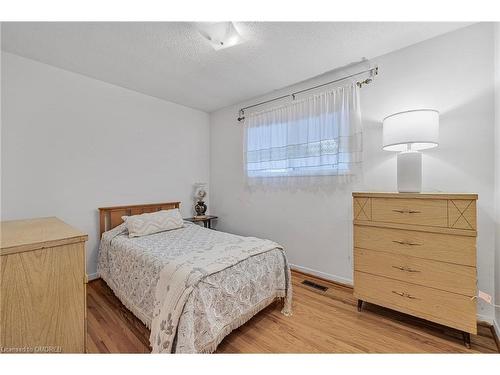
x: 322, y: 322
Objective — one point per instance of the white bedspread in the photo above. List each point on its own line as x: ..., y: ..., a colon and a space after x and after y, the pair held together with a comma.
x: 217, y: 303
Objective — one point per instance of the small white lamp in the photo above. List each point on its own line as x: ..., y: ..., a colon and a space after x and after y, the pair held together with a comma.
x: 409, y: 132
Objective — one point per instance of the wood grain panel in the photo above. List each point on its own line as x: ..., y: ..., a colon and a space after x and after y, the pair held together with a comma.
x: 439, y: 275
x: 419, y: 228
x: 462, y: 214
x: 456, y: 196
x: 429, y: 212
x: 442, y: 247
x: 43, y: 299
x: 362, y: 208
x: 31, y: 234
x: 454, y: 310
x: 115, y: 217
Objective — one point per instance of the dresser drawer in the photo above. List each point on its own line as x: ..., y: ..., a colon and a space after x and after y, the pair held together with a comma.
x: 439, y: 275
x: 429, y: 212
x: 454, y: 310
x: 442, y: 247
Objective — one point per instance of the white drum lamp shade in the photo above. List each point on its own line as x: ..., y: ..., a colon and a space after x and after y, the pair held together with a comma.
x: 419, y: 128
x: 410, y: 132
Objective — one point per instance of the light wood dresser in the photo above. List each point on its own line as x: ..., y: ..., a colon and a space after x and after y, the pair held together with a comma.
x: 416, y: 253
x: 42, y: 286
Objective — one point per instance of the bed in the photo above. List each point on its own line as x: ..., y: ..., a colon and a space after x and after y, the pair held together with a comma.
x: 190, y: 286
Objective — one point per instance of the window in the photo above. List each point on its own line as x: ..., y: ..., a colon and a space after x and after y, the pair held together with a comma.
x: 320, y: 135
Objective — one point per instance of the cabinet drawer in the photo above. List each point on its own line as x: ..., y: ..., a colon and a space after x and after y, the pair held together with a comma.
x: 429, y: 212
x: 445, y: 276
x: 443, y: 247
x: 454, y: 310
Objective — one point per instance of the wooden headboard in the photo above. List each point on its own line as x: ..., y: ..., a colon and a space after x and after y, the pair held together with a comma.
x: 110, y: 217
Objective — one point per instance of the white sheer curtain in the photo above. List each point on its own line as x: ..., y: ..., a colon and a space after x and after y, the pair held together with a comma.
x: 317, y: 139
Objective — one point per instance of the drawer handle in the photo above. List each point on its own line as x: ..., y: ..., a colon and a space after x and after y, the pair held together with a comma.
x: 407, y: 211
x: 404, y: 294
x: 407, y: 243
x: 407, y: 269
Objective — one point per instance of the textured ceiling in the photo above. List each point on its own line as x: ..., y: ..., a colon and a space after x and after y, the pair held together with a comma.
x: 172, y: 61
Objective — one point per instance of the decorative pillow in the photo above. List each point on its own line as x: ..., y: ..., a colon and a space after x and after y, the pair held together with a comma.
x: 144, y: 224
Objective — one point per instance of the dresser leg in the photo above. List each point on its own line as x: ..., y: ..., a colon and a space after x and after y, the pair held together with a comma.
x: 360, y: 304
x: 466, y: 337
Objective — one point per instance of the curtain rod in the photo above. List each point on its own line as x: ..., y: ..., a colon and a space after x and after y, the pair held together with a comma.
x: 374, y: 72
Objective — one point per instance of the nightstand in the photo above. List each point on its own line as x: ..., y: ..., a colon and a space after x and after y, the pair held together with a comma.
x: 206, y: 220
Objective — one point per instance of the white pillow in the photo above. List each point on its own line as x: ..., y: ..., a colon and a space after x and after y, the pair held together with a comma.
x: 144, y: 224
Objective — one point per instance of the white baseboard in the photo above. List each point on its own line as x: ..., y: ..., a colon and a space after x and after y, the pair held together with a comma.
x: 485, y: 318
x: 324, y: 275
x: 92, y: 276
x: 496, y: 325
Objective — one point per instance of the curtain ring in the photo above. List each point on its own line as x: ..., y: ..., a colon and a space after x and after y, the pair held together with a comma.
x: 241, y: 115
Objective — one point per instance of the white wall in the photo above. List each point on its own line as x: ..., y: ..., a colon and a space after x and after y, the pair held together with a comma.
x: 452, y: 73
x: 497, y: 172
x: 71, y: 144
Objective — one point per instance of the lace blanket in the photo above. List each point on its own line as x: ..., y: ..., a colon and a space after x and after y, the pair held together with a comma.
x: 177, y: 280
x: 238, y: 278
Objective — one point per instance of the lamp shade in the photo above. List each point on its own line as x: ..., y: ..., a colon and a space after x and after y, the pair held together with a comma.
x: 200, y: 190
x: 417, y: 128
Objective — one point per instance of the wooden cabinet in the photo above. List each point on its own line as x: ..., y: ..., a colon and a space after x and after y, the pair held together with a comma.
x: 416, y: 253
x: 42, y: 286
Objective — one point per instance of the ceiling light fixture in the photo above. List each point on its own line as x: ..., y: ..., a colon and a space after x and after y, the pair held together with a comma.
x: 219, y: 34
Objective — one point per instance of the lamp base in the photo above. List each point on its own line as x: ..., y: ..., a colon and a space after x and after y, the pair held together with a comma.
x: 410, y: 172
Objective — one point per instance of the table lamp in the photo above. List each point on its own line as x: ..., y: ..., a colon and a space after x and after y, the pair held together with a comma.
x: 410, y: 132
